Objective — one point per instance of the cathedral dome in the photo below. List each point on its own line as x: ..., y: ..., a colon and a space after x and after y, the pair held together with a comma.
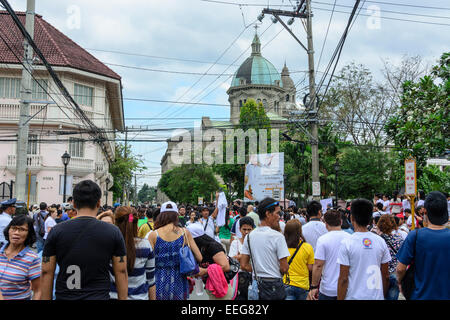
x: 256, y: 69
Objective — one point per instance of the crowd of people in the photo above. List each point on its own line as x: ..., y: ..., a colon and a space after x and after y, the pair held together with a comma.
x: 361, y: 250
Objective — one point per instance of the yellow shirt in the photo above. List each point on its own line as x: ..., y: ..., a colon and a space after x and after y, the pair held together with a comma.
x: 144, y: 229
x: 298, y: 269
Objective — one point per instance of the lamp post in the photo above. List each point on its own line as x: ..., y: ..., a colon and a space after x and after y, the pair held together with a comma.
x: 107, y: 181
x: 336, y: 170
x: 65, y: 159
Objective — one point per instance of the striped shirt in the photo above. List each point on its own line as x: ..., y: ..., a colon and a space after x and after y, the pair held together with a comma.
x: 143, y: 275
x: 16, y: 274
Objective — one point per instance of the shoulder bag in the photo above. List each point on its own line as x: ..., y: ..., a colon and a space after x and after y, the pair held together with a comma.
x: 288, y: 280
x: 188, y: 264
x: 268, y: 289
x: 408, y: 283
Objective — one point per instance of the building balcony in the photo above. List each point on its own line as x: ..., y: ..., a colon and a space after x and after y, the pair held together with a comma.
x: 34, y: 163
x: 100, y: 169
x: 11, y: 111
x: 80, y: 166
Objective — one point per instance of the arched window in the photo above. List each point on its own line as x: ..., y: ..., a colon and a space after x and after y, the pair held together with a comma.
x: 287, y: 98
x: 240, y: 103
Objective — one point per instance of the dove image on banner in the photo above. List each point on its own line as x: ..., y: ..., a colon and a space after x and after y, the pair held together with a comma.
x: 264, y: 177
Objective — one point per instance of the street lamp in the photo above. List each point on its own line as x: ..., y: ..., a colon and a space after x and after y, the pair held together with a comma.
x: 65, y: 160
x: 336, y: 170
x: 107, y: 181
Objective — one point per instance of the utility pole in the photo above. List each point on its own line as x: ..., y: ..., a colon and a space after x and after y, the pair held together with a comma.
x: 125, y: 157
x: 135, y: 190
x: 26, y: 96
x: 311, y: 106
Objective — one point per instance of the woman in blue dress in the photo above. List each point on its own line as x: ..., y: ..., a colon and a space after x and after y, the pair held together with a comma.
x: 166, y: 240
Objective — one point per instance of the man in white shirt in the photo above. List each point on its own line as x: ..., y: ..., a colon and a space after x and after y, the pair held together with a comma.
x: 314, y: 228
x: 268, y: 251
x: 386, y: 204
x: 363, y: 259
x: 207, y: 222
x: 325, y: 259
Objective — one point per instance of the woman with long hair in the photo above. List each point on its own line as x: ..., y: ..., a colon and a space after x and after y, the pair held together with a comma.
x: 167, y: 239
x: 301, y: 261
x: 140, y: 258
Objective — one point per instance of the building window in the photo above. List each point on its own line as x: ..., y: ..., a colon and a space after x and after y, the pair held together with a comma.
x: 40, y: 86
x: 264, y: 102
x: 83, y: 95
x: 76, y: 147
x: 287, y: 98
x: 32, y: 145
x: 240, y: 103
x: 10, y: 88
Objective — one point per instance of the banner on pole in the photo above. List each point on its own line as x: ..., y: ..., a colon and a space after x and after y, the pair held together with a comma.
x: 410, y: 177
x: 264, y: 177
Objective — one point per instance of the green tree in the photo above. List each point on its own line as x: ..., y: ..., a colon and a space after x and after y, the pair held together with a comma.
x: 146, y: 193
x: 123, y: 169
x: 419, y: 127
x: 433, y: 179
x: 186, y: 183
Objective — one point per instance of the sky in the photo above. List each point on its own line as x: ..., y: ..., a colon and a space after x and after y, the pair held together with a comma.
x: 187, y: 50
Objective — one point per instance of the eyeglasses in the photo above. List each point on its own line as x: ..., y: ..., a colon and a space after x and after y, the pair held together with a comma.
x: 20, y: 229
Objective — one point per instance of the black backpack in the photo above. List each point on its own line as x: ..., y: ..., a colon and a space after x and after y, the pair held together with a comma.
x: 40, y: 224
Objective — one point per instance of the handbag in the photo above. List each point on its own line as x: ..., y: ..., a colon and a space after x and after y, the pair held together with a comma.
x: 408, y: 282
x: 288, y: 280
x: 234, y: 269
x: 272, y: 289
x: 188, y: 264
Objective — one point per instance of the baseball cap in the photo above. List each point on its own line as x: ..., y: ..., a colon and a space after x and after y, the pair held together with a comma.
x: 164, y: 207
x: 400, y: 215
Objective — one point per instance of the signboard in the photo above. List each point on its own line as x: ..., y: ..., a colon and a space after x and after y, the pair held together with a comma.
x: 264, y: 177
x: 410, y: 177
x: 316, y: 188
x: 200, y: 200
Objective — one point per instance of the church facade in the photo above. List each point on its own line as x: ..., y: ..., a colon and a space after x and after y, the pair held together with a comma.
x: 256, y: 79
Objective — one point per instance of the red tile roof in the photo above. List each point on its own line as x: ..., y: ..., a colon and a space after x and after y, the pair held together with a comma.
x: 57, y: 48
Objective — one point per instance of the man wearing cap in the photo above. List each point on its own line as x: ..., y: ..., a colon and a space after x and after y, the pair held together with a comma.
x: 9, y: 209
x: 208, y: 221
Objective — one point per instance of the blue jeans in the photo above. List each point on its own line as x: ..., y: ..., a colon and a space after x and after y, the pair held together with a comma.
x: 295, y: 293
x: 393, y: 290
x: 39, y: 244
x: 324, y: 297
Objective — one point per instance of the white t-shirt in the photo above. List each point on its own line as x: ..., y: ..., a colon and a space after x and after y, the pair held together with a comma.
x: 268, y: 247
x: 364, y: 252
x: 387, y: 205
x: 400, y: 233
x: 420, y: 203
x: 406, y: 204
x: 282, y: 225
x: 312, y: 231
x: 235, y: 248
x: 210, y: 228
x: 49, y: 223
x: 327, y: 249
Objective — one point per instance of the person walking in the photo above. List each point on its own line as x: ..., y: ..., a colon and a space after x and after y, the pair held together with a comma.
x: 50, y: 221
x: 20, y: 266
x: 300, y: 260
x: 386, y: 226
x: 315, y: 227
x: 140, y: 258
x: 429, y: 248
x: 326, y: 269
x: 166, y: 240
x: 39, y: 225
x: 83, y: 248
x: 268, y: 251
x: 363, y: 259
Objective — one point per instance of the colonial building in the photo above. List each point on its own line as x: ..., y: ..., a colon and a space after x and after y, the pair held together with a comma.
x: 256, y: 79
x: 96, y: 89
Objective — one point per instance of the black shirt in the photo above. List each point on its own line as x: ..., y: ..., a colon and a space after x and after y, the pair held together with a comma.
x: 84, y: 247
x: 208, y: 248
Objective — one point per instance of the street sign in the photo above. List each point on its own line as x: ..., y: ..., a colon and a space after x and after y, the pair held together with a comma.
x: 200, y: 200
x: 410, y: 177
x: 316, y: 188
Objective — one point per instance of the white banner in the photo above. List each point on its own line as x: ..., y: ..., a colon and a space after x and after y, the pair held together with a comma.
x: 264, y: 177
x: 410, y: 177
